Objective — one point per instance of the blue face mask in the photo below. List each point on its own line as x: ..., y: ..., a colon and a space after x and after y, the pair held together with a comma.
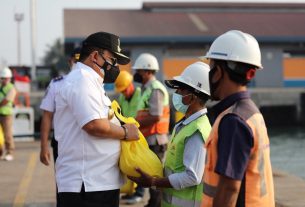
x: 177, y: 101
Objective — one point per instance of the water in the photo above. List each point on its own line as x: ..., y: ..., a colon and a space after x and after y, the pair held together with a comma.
x: 288, y: 150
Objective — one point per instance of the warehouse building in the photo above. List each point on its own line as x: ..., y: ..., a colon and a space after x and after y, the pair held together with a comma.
x: 178, y: 33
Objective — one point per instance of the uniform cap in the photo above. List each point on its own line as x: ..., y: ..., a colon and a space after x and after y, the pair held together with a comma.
x: 107, y: 41
x: 76, y: 53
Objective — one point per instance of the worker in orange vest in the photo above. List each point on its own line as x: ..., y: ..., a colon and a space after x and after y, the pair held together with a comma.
x: 238, y: 168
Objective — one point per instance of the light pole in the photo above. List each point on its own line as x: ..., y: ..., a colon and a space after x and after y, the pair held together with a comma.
x: 18, y: 19
x: 33, y: 38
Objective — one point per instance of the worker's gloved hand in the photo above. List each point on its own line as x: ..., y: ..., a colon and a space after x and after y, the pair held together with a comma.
x: 132, y: 132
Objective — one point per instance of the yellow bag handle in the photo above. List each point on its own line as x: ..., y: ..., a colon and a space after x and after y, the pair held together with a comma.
x: 133, y: 146
x: 118, y: 113
x: 127, y: 120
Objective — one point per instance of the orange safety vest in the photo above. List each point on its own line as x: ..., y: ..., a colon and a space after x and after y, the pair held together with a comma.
x: 259, y: 190
x: 162, y: 126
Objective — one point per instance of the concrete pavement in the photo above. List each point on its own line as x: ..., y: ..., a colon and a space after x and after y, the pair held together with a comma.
x: 25, y: 182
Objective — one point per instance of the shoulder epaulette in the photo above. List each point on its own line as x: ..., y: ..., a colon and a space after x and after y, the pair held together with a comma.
x: 58, y: 78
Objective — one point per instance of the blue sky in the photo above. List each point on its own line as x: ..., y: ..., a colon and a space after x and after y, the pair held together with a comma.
x: 50, y: 23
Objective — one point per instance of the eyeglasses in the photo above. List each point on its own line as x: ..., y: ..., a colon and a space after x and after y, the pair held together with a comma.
x: 113, y: 60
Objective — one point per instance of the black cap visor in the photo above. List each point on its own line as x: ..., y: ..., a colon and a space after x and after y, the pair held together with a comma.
x: 122, y: 59
x: 173, y: 84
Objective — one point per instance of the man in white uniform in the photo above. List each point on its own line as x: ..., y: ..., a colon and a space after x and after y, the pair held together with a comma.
x: 48, y: 109
x: 87, y: 170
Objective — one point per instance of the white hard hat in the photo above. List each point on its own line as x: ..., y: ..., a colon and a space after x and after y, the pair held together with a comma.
x: 146, y: 61
x: 236, y: 46
x: 195, y: 75
x: 6, y: 73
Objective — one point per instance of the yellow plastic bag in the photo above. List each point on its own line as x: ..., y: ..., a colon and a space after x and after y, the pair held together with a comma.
x: 129, y: 187
x: 136, y: 154
x: 1, y: 137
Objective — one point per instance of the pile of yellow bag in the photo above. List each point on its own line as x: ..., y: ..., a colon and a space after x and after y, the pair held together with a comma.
x: 1, y: 138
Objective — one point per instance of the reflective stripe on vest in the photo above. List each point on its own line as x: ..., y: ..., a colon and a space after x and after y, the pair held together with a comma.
x: 174, y: 201
x: 8, y: 108
x: 161, y: 127
x: 130, y: 108
x: 209, y: 190
x: 258, y: 176
x: 190, y: 196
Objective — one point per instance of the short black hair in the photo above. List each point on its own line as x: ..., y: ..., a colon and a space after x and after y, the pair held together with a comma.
x: 86, y: 51
x: 237, y: 71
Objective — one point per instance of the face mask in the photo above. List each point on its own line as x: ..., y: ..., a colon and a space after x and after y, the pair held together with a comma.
x: 177, y: 101
x: 137, y: 78
x: 111, y: 72
x: 214, y: 86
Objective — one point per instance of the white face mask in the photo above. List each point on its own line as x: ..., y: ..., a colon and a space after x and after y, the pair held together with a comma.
x: 177, y: 101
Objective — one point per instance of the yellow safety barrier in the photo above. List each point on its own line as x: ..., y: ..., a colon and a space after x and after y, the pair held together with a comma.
x: 1, y: 138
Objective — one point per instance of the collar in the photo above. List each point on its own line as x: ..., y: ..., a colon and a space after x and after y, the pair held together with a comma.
x: 229, y: 101
x: 82, y: 66
x: 195, y: 116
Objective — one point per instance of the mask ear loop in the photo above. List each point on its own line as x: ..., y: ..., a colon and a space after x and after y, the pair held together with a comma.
x: 188, y: 95
x: 114, y: 60
x: 106, y: 64
x: 100, y: 67
x: 194, y: 97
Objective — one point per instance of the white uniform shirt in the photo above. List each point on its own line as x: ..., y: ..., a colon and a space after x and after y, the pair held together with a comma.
x: 83, y: 158
x: 48, y: 101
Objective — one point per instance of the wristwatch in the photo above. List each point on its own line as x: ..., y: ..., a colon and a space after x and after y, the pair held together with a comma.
x: 153, y: 184
x: 126, y: 132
